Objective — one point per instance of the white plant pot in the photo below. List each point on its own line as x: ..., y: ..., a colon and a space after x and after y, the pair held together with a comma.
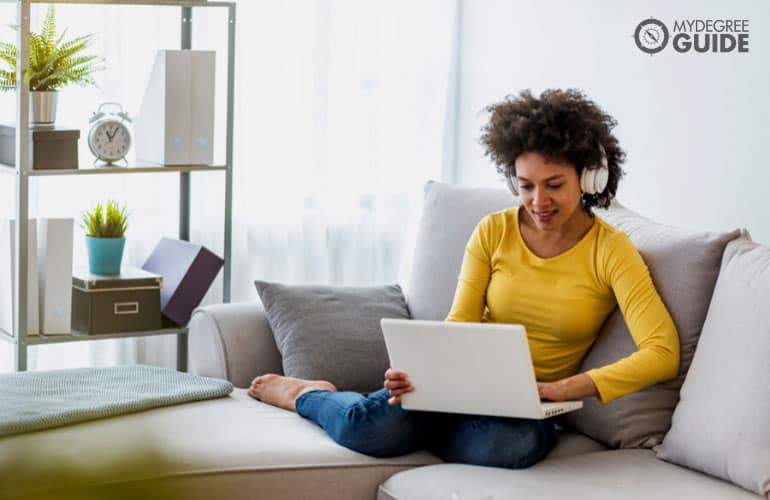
x: 42, y: 107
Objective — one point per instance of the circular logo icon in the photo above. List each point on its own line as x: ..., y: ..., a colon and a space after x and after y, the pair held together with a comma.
x: 651, y: 36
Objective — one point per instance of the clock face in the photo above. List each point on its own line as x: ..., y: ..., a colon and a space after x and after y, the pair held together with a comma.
x: 109, y: 140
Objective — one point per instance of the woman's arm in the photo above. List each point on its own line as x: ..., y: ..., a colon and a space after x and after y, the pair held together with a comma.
x: 648, y: 320
x: 470, y: 295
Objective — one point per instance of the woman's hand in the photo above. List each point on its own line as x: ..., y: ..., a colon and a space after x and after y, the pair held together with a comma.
x: 552, y: 391
x: 397, y: 383
x: 576, y: 387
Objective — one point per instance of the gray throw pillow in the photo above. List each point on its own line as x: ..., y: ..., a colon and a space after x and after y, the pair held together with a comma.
x: 332, y: 333
x: 720, y: 426
x: 449, y: 216
x: 684, y: 266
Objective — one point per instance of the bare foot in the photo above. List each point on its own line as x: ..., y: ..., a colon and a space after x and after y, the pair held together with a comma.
x: 281, y: 391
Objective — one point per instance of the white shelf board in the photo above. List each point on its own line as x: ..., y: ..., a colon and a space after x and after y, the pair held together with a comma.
x: 130, y: 169
x: 170, y: 3
x: 80, y: 336
x: 7, y: 169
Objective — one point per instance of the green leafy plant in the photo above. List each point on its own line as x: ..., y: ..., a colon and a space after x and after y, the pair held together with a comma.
x: 105, y: 221
x: 53, y: 63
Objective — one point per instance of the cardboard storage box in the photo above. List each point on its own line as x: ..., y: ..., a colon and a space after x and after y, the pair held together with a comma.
x: 127, y: 302
x: 51, y: 148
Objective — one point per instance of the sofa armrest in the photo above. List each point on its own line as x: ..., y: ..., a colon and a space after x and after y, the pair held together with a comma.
x: 233, y: 342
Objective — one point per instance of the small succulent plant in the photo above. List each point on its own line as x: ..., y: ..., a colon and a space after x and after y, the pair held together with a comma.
x: 105, y: 220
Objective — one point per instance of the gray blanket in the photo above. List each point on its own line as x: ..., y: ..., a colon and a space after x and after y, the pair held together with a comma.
x: 30, y: 401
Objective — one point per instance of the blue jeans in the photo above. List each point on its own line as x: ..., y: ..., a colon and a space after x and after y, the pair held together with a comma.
x: 369, y: 425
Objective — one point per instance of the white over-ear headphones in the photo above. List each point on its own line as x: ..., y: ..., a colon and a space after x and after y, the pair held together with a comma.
x: 593, y: 180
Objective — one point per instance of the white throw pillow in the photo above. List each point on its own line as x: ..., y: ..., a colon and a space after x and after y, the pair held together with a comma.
x: 722, y: 423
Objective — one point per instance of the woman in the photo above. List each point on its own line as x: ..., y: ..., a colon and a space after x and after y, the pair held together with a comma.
x: 551, y: 265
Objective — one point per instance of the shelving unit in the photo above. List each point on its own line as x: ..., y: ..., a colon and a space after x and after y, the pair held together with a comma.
x: 23, y: 172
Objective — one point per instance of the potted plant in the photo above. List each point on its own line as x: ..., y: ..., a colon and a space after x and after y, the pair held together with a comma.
x: 105, y: 227
x: 53, y: 64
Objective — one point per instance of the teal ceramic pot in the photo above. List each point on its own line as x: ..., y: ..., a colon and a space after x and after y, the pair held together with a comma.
x: 105, y: 254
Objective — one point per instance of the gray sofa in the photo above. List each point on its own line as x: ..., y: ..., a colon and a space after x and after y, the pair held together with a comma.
x: 296, y: 459
x: 714, y: 440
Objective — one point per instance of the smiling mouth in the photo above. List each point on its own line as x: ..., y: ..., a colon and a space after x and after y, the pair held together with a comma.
x: 545, y: 216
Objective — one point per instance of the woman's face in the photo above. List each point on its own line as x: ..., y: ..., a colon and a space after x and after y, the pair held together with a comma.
x: 550, y: 192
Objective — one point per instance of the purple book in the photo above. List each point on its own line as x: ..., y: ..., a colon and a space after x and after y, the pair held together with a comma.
x: 188, y: 270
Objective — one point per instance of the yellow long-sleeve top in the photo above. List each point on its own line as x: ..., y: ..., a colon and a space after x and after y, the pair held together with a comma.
x: 563, y: 301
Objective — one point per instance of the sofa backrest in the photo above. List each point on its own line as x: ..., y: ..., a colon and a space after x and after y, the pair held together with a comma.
x: 449, y: 216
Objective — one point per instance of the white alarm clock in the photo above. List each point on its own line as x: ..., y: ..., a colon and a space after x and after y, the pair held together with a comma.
x: 110, y: 137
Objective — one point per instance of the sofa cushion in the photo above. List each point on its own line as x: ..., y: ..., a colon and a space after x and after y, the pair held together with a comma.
x: 232, y: 447
x: 605, y: 475
x: 721, y: 424
x: 684, y: 265
x: 332, y: 333
x: 449, y: 216
x: 570, y: 443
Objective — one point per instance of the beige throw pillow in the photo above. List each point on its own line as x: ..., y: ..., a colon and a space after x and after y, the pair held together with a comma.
x: 684, y: 265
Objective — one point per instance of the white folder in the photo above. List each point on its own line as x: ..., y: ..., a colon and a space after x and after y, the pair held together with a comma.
x: 202, y: 73
x: 55, y: 269
x: 8, y: 262
x: 175, y: 124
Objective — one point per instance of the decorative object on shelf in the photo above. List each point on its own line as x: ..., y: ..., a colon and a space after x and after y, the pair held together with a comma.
x: 52, y: 148
x: 175, y: 124
x: 53, y: 64
x: 188, y: 270
x: 54, y: 253
x: 8, y: 263
x: 105, y: 227
x: 110, y: 137
x: 127, y: 302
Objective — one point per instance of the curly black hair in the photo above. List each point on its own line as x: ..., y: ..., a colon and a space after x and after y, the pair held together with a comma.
x: 562, y: 125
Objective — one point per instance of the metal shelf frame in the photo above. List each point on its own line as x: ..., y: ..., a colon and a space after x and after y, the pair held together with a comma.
x: 23, y: 172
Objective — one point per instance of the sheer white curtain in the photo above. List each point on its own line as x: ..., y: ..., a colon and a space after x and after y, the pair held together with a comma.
x: 341, y: 111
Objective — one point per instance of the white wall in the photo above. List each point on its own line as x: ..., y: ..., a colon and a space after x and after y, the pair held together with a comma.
x: 694, y: 125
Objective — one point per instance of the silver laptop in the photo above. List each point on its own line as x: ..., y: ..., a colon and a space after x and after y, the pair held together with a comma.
x: 473, y: 368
